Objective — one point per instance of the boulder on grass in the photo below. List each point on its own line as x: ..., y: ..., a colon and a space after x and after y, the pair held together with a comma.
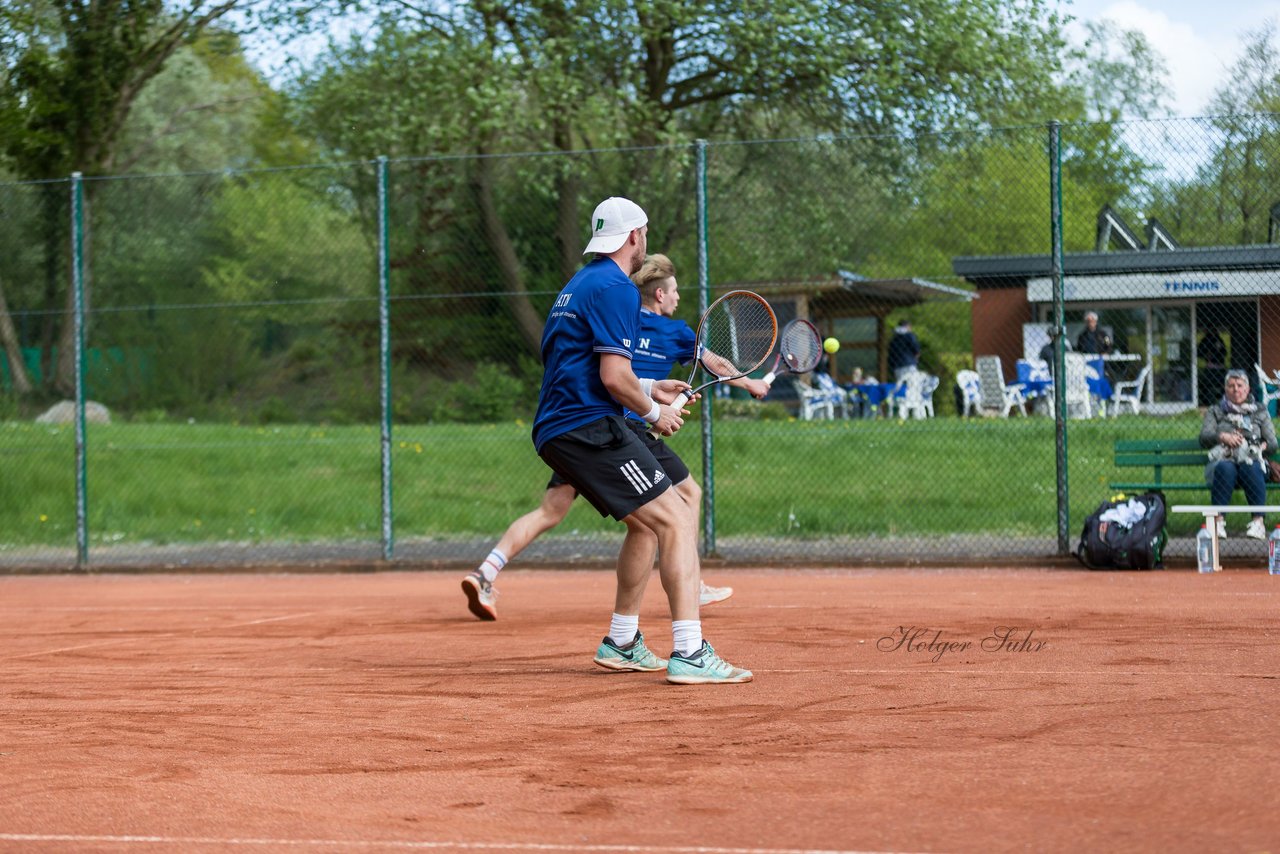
x: 65, y: 413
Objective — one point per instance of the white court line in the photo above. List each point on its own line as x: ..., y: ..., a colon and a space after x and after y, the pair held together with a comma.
x: 924, y: 668
x: 72, y: 648
x: 157, y: 637
x: 122, y: 608
x: 412, y: 844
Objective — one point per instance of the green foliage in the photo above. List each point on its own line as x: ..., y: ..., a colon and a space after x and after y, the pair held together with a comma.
x: 491, y: 395
x: 281, y: 240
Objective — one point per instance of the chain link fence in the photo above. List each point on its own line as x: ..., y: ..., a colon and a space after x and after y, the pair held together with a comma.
x: 339, y: 364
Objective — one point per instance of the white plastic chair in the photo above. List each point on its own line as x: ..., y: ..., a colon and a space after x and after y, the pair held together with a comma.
x: 838, y: 396
x: 970, y: 391
x: 821, y: 399
x: 1130, y: 392
x: 995, y: 393
x: 931, y: 384
x: 814, y: 403
x: 911, y: 402
x: 1077, y: 384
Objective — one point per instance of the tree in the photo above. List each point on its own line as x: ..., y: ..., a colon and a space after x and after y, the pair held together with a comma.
x: 601, y: 76
x: 75, y: 73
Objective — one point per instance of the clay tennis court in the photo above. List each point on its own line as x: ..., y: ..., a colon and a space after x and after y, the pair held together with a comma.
x: 365, y: 712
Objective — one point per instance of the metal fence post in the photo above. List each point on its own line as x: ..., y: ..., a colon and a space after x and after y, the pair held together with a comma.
x: 77, y: 290
x: 384, y: 352
x: 704, y: 300
x: 1059, y: 331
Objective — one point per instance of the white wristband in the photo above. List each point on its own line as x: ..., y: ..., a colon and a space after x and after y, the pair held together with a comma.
x: 646, y: 386
x: 654, y: 414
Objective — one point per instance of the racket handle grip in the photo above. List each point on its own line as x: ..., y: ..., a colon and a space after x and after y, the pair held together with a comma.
x: 678, y: 403
x: 768, y: 379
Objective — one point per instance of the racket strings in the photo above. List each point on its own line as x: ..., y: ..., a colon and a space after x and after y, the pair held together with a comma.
x: 740, y: 330
x: 800, y: 348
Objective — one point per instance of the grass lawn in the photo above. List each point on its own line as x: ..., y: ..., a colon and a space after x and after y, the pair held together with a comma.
x: 175, y: 483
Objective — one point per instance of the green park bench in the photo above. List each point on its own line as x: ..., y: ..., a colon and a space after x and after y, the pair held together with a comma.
x: 1177, y: 457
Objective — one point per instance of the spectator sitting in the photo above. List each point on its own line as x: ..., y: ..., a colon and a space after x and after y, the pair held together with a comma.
x: 1046, y: 352
x: 1240, y: 435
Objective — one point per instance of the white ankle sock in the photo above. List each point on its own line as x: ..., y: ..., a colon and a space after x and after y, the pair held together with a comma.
x: 492, y: 565
x: 686, y: 636
x: 623, y: 628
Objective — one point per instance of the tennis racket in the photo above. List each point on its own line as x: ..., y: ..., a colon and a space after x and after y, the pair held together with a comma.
x: 799, y: 350
x: 736, y: 334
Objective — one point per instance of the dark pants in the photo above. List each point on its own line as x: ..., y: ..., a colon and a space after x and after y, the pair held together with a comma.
x: 1225, y: 475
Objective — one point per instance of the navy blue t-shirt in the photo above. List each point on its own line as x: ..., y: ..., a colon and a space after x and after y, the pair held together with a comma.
x: 662, y: 343
x: 597, y: 312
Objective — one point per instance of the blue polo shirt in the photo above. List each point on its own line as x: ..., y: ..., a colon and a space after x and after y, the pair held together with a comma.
x: 663, y: 342
x: 597, y: 312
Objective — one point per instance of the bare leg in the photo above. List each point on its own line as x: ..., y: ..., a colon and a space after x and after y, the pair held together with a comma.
x: 478, y: 584
x: 635, y: 562
x: 671, y: 522
x: 555, y: 505
x: 692, y: 495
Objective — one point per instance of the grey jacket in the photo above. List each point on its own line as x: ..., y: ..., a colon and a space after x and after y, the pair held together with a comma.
x: 1256, y: 427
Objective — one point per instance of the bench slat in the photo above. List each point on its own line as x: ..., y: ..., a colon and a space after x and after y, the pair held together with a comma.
x: 1164, y: 487
x: 1156, y: 445
x: 1199, y: 459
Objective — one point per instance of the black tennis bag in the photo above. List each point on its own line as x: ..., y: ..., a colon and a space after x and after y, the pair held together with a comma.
x: 1113, y: 545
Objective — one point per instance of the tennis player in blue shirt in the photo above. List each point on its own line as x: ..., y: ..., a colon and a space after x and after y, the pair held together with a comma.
x: 579, y: 430
x: 663, y: 342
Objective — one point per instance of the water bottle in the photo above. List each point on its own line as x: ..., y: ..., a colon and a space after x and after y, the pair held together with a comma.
x: 1273, y: 552
x: 1204, y: 550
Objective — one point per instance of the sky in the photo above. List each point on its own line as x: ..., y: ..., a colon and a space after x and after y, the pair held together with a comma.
x: 1199, y: 39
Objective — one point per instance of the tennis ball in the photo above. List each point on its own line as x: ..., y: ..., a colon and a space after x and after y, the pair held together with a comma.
x: 831, y: 345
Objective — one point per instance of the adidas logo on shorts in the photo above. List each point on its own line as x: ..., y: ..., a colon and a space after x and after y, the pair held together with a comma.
x: 636, y: 477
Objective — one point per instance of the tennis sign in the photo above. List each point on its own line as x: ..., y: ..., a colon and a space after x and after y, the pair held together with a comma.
x: 1180, y: 285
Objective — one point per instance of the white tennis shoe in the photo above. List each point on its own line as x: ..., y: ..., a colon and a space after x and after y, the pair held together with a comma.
x: 482, y: 596
x: 710, y: 595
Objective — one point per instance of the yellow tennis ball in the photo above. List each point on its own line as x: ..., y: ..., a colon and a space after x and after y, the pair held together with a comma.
x: 831, y: 345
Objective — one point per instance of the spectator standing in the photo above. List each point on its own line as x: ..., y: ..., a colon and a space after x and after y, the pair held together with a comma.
x: 904, y: 350
x: 1213, y: 351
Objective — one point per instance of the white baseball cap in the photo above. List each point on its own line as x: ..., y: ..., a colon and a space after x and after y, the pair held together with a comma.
x: 612, y: 221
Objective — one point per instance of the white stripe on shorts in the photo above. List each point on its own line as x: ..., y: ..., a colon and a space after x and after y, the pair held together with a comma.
x: 635, y: 477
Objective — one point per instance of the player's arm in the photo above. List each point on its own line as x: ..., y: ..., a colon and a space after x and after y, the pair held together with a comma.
x: 718, y: 365
x: 621, y: 381
x: 721, y: 367
x: 756, y: 388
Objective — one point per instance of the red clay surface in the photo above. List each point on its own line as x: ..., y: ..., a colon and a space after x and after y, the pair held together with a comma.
x: 372, y: 712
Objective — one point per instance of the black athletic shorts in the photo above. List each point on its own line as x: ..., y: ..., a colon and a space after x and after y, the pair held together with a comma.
x: 667, y: 458
x: 611, y: 466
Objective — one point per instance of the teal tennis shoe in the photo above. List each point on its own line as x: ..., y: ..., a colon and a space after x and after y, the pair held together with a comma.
x: 704, y: 667
x: 634, y: 656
